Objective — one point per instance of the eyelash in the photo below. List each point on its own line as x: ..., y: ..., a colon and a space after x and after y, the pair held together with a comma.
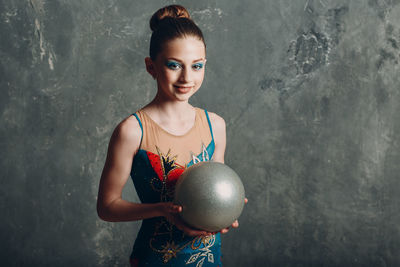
x: 175, y: 65
x: 197, y: 66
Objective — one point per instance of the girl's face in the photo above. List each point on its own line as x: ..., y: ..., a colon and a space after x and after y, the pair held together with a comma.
x: 179, y: 68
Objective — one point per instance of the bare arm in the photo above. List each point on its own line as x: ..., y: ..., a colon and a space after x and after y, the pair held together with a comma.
x: 123, y: 146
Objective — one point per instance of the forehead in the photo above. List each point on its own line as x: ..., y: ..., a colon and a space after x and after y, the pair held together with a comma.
x: 185, y: 49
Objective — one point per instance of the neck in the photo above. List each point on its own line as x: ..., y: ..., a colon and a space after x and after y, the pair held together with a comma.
x: 170, y: 108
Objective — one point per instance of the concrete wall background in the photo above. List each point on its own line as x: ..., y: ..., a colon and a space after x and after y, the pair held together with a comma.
x: 310, y: 93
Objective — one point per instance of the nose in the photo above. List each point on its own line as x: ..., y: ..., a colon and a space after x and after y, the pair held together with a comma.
x: 186, y: 75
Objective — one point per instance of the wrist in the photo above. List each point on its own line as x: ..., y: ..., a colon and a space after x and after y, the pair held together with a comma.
x: 160, y: 209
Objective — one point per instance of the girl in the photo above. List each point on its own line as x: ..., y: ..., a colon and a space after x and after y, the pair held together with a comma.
x: 158, y: 142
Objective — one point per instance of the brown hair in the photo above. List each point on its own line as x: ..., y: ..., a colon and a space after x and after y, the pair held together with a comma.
x: 169, y: 23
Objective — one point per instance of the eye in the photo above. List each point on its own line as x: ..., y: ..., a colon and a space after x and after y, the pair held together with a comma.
x: 173, y: 65
x: 198, y: 66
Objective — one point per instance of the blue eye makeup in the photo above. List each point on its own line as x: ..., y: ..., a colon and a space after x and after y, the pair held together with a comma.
x: 173, y: 65
x: 198, y: 66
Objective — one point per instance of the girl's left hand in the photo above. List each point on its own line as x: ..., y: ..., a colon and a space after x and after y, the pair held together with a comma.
x: 235, y: 224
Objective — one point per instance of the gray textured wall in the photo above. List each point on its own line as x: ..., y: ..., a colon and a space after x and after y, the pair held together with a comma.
x: 310, y: 93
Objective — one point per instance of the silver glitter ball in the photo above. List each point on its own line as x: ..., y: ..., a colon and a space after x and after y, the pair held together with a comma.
x: 211, y: 195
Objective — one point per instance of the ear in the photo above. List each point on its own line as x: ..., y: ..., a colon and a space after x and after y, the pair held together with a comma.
x: 150, y: 67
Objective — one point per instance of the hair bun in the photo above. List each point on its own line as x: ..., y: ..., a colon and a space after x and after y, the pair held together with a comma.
x: 172, y: 11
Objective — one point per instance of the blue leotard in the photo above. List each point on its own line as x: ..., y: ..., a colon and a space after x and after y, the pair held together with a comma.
x: 159, y: 162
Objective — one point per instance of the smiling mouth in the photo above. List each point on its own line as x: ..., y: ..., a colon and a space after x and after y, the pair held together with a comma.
x: 183, y: 89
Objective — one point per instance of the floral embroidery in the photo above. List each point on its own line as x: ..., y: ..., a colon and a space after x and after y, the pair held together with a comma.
x: 168, y: 172
x: 205, y: 252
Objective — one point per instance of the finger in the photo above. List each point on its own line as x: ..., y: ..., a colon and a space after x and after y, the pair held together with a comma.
x: 175, y: 208
x: 225, y: 230
x: 196, y: 232
x: 188, y: 230
x: 246, y: 200
x: 235, y: 224
x: 192, y: 232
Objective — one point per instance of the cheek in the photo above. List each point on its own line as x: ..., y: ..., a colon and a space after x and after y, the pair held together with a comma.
x: 200, y: 77
x: 166, y: 76
x: 171, y: 75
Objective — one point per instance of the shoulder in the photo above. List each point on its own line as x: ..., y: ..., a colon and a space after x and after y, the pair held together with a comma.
x: 128, y: 131
x: 218, y: 126
x: 217, y: 122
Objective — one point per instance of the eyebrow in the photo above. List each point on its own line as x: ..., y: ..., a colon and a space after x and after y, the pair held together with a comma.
x: 194, y: 61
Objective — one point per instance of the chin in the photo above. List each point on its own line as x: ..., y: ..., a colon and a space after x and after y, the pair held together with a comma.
x: 184, y: 96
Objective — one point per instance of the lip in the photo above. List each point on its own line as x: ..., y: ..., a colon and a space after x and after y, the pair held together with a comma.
x: 183, y: 88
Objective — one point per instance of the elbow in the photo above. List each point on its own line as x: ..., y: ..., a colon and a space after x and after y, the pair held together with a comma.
x: 103, y: 213
x: 107, y: 211
x: 100, y: 213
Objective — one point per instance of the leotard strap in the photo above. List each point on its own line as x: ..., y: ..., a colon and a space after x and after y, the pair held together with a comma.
x: 140, y: 124
x: 209, y: 124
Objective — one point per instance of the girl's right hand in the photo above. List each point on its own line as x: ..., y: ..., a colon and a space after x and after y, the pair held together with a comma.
x: 171, y: 212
